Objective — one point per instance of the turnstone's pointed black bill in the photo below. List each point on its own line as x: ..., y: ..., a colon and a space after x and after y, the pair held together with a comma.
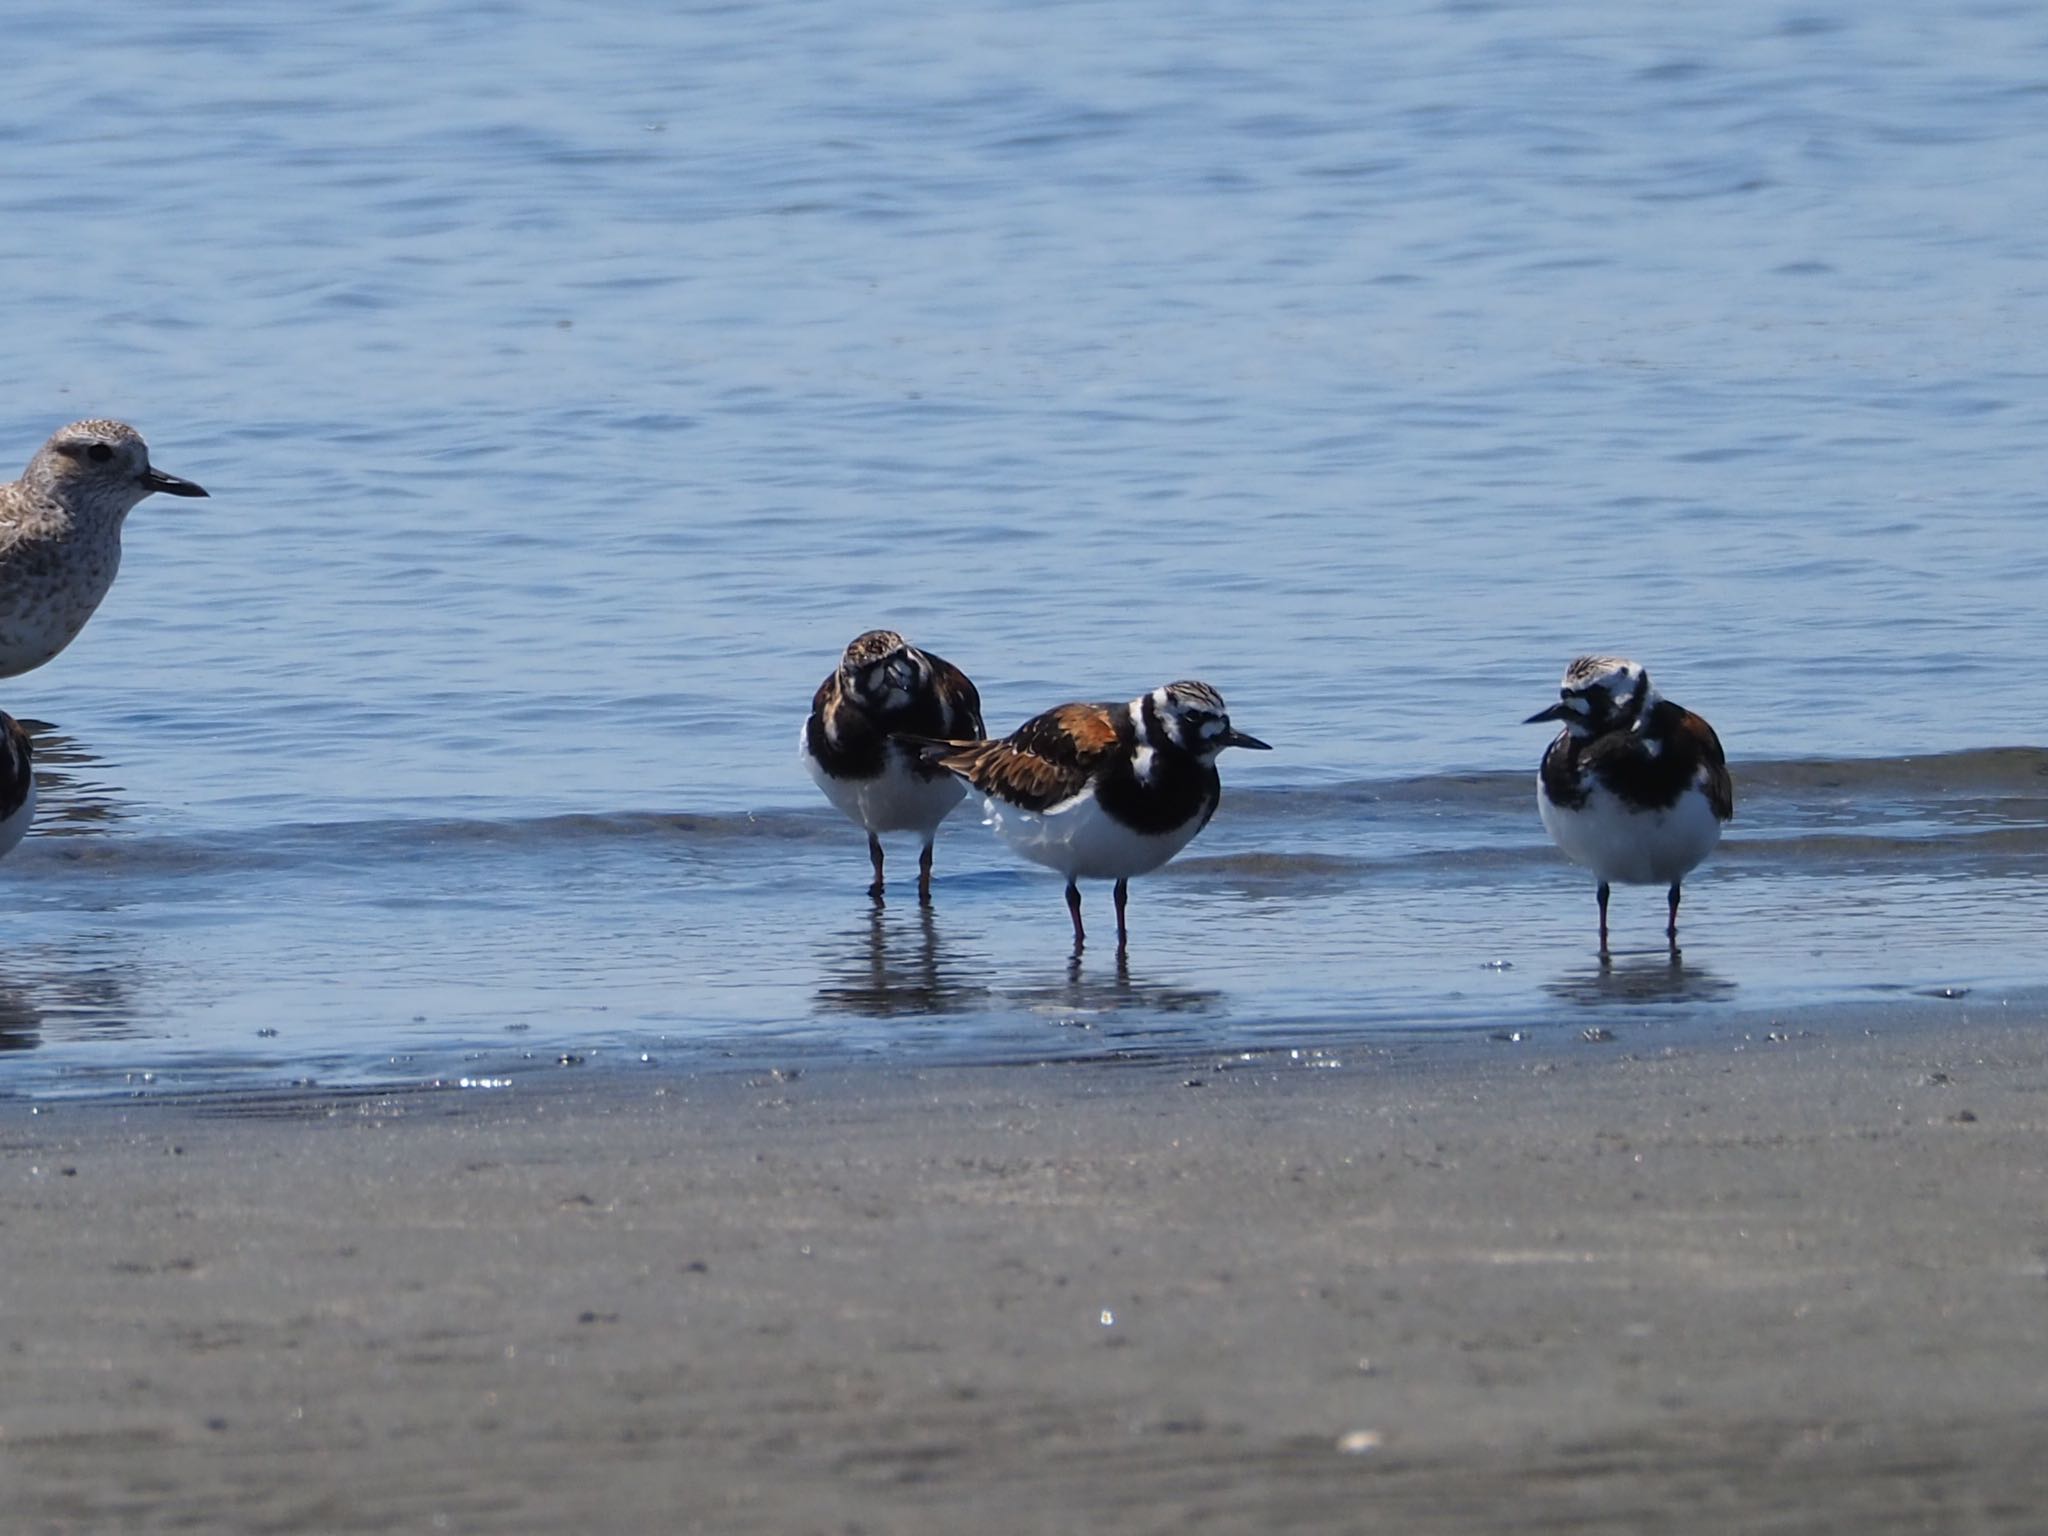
x: 157, y: 480
x: 1556, y: 711
x: 1233, y: 737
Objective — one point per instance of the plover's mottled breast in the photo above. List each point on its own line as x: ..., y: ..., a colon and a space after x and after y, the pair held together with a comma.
x: 60, y: 535
x: 1104, y: 791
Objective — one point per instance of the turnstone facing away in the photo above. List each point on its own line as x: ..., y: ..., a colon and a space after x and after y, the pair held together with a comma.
x: 1104, y: 791
x: 60, y: 535
x: 1634, y: 788
x: 17, y: 784
x: 884, y: 688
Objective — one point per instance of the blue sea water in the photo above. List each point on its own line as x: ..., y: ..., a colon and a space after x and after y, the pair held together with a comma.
x: 573, y: 383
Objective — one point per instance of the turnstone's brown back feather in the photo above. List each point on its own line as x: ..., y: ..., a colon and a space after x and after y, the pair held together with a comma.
x: 1046, y: 760
x: 1649, y: 765
x: 1713, y: 769
x: 959, y: 700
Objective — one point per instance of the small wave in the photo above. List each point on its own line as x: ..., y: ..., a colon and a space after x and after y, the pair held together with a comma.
x: 1989, y: 803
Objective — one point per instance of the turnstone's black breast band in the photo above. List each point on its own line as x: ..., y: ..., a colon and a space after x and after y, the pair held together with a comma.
x: 1178, y: 788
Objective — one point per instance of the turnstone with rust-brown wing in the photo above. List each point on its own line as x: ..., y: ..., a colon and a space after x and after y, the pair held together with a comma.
x: 1634, y: 787
x: 1104, y: 791
x: 884, y: 688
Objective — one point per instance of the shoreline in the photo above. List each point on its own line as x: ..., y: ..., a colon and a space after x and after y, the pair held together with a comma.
x: 1671, y: 1281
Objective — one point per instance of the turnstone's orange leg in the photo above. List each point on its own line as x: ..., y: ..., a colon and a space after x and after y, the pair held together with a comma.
x: 1671, y: 930
x: 1603, y: 919
x: 1123, y: 894
x: 875, y: 858
x: 1074, y: 910
x: 924, y: 877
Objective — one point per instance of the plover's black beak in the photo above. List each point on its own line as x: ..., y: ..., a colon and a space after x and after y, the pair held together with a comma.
x: 1233, y: 737
x: 157, y: 480
x: 1555, y: 712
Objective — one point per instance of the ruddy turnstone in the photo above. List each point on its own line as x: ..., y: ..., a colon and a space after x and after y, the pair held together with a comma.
x: 884, y: 688
x: 17, y: 783
x: 1634, y: 788
x: 1104, y: 791
x: 60, y: 535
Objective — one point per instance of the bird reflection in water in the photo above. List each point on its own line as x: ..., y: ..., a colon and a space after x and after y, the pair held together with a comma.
x: 1653, y: 976
x: 1116, y: 992
x: 898, y: 966
x: 71, y: 800
x: 72, y: 992
x: 21, y: 1021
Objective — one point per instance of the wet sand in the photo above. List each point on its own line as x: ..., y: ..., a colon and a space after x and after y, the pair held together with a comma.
x: 1730, y: 1283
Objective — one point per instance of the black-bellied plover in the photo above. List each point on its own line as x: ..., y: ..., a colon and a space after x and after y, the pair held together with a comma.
x: 60, y: 535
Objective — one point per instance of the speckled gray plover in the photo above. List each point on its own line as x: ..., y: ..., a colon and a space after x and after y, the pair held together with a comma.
x: 60, y: 535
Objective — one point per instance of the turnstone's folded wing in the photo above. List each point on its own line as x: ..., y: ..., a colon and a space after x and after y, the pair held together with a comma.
x: 1713, y: 763
x: 959, y: 704
x: 1046, y: 760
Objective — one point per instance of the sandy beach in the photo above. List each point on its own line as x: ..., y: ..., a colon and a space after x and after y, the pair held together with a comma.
x: 1780, y: 1280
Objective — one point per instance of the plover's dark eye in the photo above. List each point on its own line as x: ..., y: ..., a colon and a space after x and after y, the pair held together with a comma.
x: 99, y: 453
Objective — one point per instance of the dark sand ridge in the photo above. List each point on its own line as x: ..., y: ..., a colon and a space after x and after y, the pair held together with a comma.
x: 1732, y: 1284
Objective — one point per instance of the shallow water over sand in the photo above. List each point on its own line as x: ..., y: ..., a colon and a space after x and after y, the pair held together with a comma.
x: 572, y: 387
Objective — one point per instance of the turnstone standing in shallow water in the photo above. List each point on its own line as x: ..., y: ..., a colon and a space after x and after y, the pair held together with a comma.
x: 60, y: 535
x: 1104, y: 791
x: 17, y: 783
x: 885, y: 688
x: 1634, y: 788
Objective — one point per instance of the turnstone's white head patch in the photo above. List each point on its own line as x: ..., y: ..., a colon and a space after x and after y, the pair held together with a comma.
x: 1191, y: 716
x: 882, y: 670
x: 1599, y: 694
x: 100, y: 465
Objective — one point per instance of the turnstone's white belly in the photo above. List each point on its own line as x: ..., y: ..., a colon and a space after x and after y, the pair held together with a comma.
x: 1619, y: 842
x: 1083, y: 841
x: 898, y: 799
